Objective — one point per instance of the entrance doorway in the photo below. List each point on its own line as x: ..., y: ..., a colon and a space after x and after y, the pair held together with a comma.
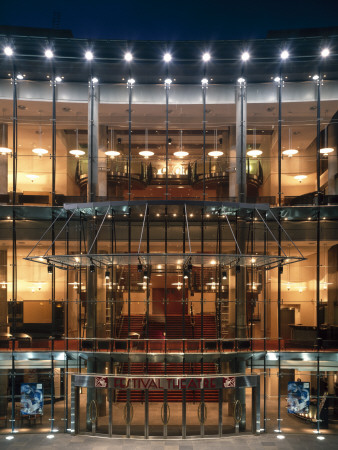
x: 160, y: 406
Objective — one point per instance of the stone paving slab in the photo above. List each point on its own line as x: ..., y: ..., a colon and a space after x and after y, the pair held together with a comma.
x: 265, y: 441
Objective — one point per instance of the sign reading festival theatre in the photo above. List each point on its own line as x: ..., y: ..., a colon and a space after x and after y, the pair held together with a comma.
x: 170, y: 383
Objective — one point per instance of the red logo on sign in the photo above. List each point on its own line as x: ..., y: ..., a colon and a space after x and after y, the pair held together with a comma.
x: 229, y: 382
x: 101, y: 382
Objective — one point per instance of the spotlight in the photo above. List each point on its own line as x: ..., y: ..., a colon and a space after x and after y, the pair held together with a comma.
x: 276, y: 79
x: 131, y: 81
x: 241, y: 80
x: 95, y: 80
x: 8, y: 51
x: 189, y: 267
x: 19, y: 76
x: 139, y: 267
x: 284, y: 54
x: 315, y: 77
x: 169, y: 141
x: 167, y: 57
x: 49, y: 54
x: 119, y: 141
x: 50, y: 269
x: 89, y: 55
x: 168, y: 81
x: 145, y: 274
x: 280, y: 269
x: 58, y: 79
x: 325, y: 52
x: 238, y: 269
x: 204, y: 82
x: 245, y: 56
x: 224, y: 275
x: 128, y: 56
x: 107, y: 275
x: 206, y: 57
x: 185, y: 274
x: 92, y: 268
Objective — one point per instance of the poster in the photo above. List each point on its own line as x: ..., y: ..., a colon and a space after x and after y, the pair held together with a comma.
x: 31, y: 399
x: 298, y: 397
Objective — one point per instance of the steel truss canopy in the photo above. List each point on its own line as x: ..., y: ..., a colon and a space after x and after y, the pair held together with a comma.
x: 105, y: 212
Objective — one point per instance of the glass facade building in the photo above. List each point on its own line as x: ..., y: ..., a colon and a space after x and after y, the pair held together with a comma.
x: 168, y: 245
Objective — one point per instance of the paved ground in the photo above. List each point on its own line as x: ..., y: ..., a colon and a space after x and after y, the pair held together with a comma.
x: 247, y: 442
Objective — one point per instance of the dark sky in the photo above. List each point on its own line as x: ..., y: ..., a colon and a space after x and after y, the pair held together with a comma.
x: 171, y: 19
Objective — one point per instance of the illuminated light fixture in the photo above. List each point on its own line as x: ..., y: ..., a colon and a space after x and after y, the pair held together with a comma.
x: 255, y: 152
x: 284, y: 55
x: 204, y: 82
x: 76, y: 151
x: 40, y: 151
x: 245, y: 56
x: 315, y: 77
x: 168, y: 81
x: 167, y: 57
x: 32, y: 177
x: 107, y: 275
x: 128, y: 56
x: 280, y: 436
x: 300, y: 178
x: 5, y: 151
x: 146, y: 153
x: 213, y: 262
x: 326, y: 151
x: 131, y: 81
x: 224, y: 275
x: 181, y: 153
x: 112, y: 153
x: 8, y: 51
x: 19, y: 76
x: 325, y: 52
x: 58, y: 79
x: 253, y: 260
x: 290, y: 152
x: 89, y: 55
x: 48, y: 53
x: 206, y: 57
x: 241, y: 80
x: 215, y: 153
x: 276, y: 79
x: 95, y: 80
x: 9, y: 438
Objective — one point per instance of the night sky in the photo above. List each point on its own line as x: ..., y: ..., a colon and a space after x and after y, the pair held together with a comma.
x: 171, y: 19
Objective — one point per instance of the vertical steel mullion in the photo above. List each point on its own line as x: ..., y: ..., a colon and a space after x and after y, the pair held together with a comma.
x: 264, y: 331
x: 202, y: 287
x: 148, y: 289
x: 279, y: 95
x: 183, y: 297
x: 279, y: 281
x: 52, y: 390
x: 146, y: 414
x: 204, y: 87
x: 167, y: 87
x: 53, y: 138
x: 129, y: 141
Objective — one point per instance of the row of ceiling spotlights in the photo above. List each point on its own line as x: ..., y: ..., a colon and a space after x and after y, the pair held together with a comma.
x: 167, y: 57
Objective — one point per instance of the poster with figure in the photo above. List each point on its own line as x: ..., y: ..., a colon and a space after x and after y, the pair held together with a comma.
x: 298, y: 397
x: 31, y: 398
